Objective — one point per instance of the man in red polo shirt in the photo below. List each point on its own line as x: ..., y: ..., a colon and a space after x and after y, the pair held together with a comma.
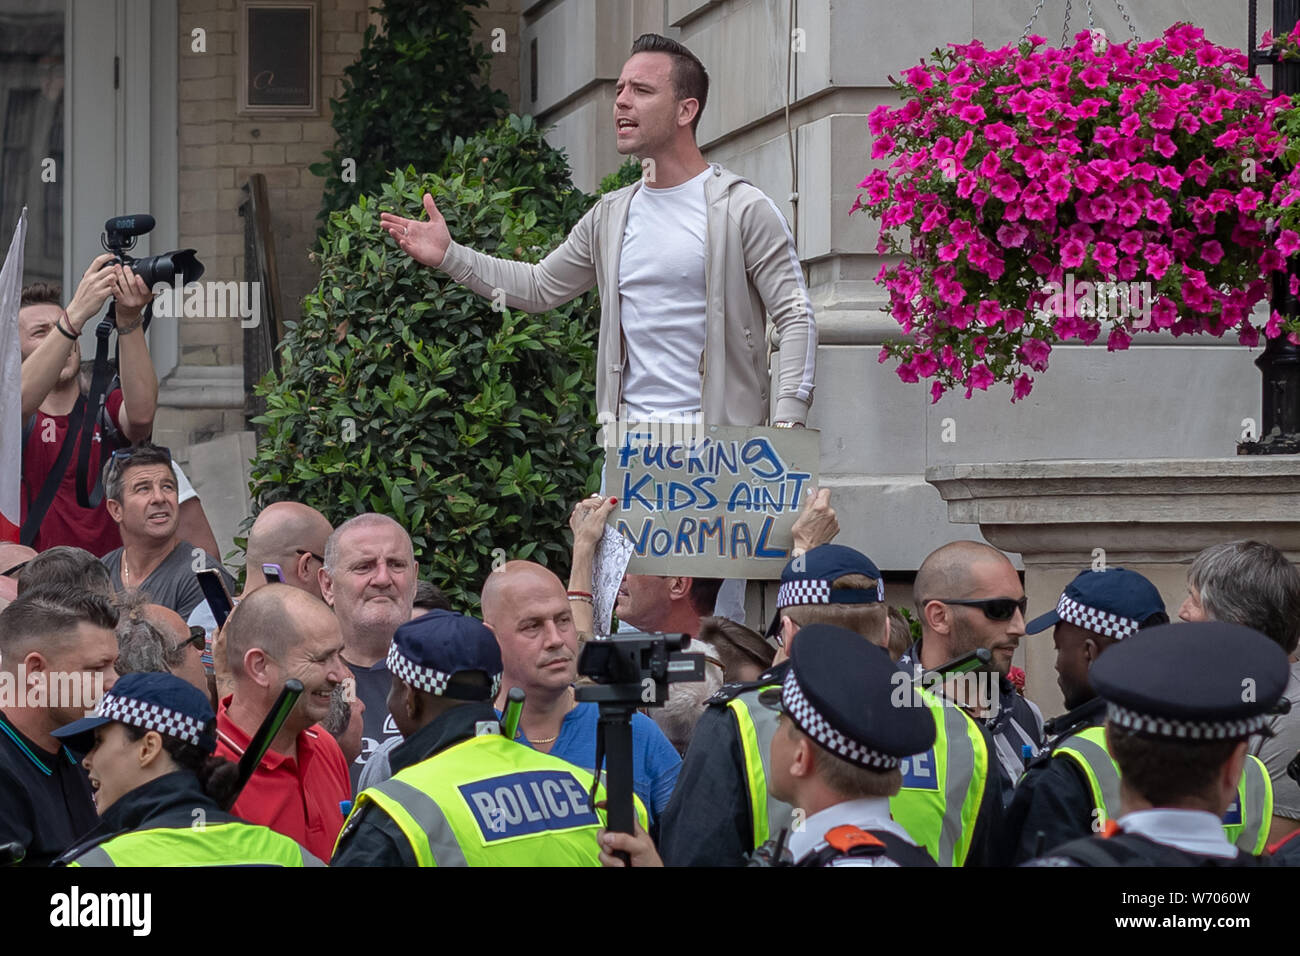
x: 276, y: 633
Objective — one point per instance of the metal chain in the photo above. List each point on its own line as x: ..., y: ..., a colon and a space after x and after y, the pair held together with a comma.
x: 1032, y: 20
x: 1065, y: 28
x: 1131, y: 28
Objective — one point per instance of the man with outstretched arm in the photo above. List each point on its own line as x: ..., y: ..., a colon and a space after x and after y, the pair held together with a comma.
x: 689, y: 262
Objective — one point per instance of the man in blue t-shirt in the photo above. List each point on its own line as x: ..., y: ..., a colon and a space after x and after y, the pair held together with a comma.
x: 527, y: 608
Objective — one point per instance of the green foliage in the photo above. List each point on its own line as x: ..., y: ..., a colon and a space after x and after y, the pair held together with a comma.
x: 405, y: 393
x: 414, y: 88
x: 913, y: 622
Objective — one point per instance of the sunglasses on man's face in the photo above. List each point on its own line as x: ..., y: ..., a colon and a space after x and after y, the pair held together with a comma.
x: 198, y: 639
x: 995, y: 609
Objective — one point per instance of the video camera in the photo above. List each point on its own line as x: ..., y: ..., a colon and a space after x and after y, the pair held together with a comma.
x: 119, y: 237
x: 631, y: 670
x: 636, y: 668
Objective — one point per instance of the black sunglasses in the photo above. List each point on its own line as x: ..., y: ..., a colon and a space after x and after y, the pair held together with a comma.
x: 318, y: 557
x: 198, y: 639
x: 15, y: 569
x: 122, y: 455
x: 995, y: 609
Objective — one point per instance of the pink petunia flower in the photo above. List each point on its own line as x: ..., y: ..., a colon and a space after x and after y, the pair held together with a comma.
x: 1035, y: 353
x: 1012, y: 235
x: 1093, y: 77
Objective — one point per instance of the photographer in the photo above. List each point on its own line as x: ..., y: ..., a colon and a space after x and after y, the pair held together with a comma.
x: 53, y: 404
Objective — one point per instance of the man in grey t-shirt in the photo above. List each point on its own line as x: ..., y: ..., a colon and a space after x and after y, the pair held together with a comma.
x: 140, y: 494
x: 1253, y: 584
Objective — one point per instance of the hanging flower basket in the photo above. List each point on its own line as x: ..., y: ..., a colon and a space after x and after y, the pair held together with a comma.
x: 1037, y: 195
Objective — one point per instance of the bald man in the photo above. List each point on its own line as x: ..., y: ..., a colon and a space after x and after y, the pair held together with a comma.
x: 276, y: 633
x: 12, y: 557
x: 286, y: 533
x: 369, y: 578
x: 527, y: 609
x: 968, y: 595
x: 184, y: 656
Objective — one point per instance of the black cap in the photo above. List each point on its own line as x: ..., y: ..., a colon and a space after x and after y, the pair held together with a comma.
x: 1112, y: 602
x: 1202, y: 681
x: 807, y: 579
x: 427, y: 651
x: 151, y: 701
x: 842, y: 691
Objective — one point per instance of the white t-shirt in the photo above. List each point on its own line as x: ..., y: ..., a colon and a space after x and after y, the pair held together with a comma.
x: 661, y: 300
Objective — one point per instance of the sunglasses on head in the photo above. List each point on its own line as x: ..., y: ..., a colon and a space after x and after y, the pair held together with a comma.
x: 995, y: 609
x: 122, y: 455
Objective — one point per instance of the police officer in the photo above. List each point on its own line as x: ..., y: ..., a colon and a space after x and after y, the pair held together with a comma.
x: 158, y: 789
x: 968, y: 596
x: 836, y: 754
x: 1181, y: 704
x: 838, y: 749
x: 723, y: 807
x: 1072, y: 790
x: 461, y: 794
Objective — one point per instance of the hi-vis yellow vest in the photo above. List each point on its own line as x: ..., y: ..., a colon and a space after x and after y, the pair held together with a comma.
x: 1246, y: 823
x: 488, y: 801
x: 942, y: 788
x: 216, y: 844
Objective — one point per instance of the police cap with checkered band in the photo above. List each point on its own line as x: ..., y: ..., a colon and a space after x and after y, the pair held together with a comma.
x: 428, y: 651
x: 150, y: 701
x: 807, y: 579
x: 842, y: 691
x: 1112, y: 602
x: 1207, y: 680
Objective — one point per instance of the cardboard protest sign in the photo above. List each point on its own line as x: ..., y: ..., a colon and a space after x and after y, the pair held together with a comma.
x: 715, y: 501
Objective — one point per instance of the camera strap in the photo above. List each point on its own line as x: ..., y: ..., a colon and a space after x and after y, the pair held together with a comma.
x: 88, y: 496
x: 50, y: 489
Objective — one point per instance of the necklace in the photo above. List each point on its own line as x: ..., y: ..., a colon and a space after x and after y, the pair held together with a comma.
x: 126, y: 571
x: 550, y: 740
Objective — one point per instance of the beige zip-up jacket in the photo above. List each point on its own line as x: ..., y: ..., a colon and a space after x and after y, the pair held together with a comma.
x: 751, y: 271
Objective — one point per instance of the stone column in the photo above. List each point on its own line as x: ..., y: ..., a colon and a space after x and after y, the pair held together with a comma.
x: 1152, y: 516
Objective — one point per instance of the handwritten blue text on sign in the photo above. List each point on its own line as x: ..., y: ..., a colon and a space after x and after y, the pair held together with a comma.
x: 720, y: 503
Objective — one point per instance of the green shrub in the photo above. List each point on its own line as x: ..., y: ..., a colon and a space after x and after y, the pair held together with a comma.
x: 405, y: 393
x: 414, y: 88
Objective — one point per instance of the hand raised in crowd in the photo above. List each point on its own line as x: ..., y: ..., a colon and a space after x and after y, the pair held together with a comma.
x: 96, y: 285
x: 425, y: 242
x: 130, y: 293
x: 638, y: 846
x: 587, y: 519
x: 817, y: 523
